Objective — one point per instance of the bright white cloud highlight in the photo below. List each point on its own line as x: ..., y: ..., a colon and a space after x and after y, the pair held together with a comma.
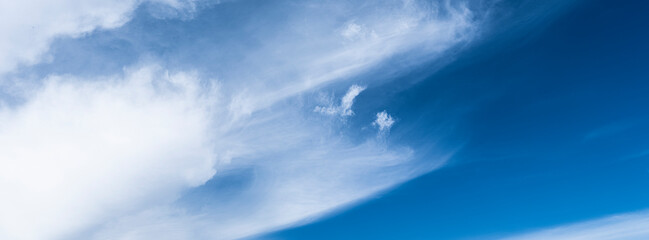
x: 28, y: 26
x: 345, y: 107
x: 631, y: 226
x: 383, y: 121
x: 79, y: 153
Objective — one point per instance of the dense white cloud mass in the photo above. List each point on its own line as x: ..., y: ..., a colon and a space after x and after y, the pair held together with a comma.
x: 112, y: 157
x: 621, y: 227
x: 27, y: 27
x: 78, y: 153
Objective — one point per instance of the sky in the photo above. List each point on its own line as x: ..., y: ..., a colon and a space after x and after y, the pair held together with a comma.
x: 335, y: 119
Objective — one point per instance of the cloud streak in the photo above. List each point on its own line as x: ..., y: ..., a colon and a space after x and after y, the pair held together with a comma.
x: 345, y: 107
x: 631, y: 226
x: 115, y: 157
x: 117, y: 154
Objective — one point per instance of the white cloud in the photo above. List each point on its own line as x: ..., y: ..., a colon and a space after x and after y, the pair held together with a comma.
x: 79, y: 153
x: 29, y: 26
x: 308, y: 54
x: 109, y: 157
x: 293, y: 188
x: 346, y: 102
x: 631, y: 226
x: 384, y: 121
x: 351, y: 30
x: 355, y: 32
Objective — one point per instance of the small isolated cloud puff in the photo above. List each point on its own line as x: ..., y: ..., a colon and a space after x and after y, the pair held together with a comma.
x: 631, y: 226
x: 351, y: 30
x: 383, y: 121
x: 355, y: 32
x: 345, y: 107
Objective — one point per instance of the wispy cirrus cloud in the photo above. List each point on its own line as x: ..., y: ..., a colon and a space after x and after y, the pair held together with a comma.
x: 113, y: 156
x: 630, y: 226
x: 344, y: 109
x: 116, y: 154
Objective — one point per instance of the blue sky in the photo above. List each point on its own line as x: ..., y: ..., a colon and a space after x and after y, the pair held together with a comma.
x: 242, y: 119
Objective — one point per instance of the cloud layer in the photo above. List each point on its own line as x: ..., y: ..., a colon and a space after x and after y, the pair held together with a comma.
x: 78, y: 153
x: 138, y: 154
x: 116, y: 154
x: 631, y: 226
x: 30, y: 26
